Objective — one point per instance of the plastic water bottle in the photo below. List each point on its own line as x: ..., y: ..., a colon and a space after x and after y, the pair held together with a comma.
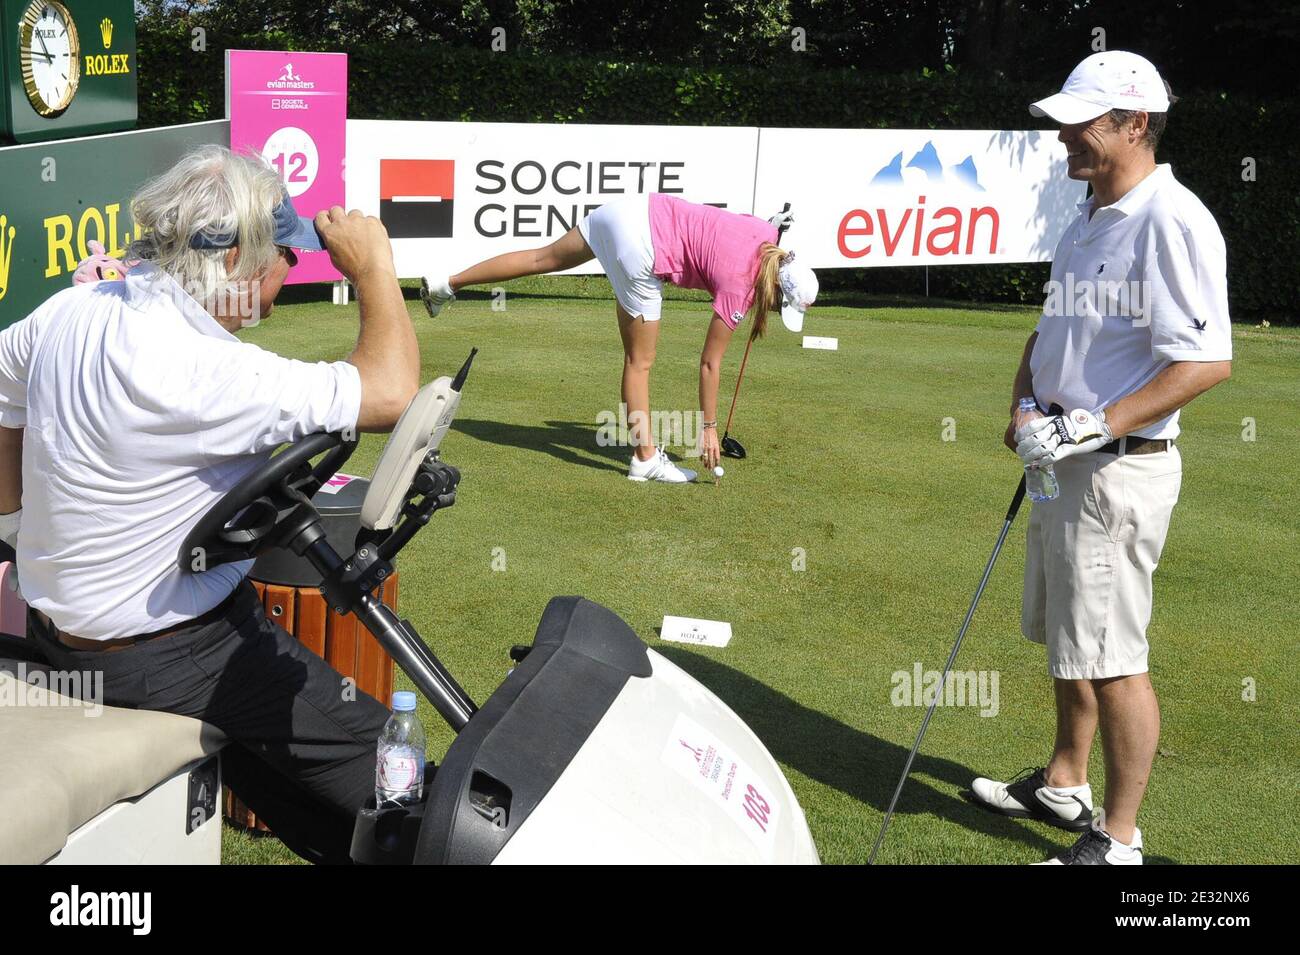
x: 399, y: 768
x: 1040, y: 480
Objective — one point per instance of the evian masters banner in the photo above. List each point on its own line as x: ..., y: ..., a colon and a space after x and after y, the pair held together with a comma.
x: 293, y: 109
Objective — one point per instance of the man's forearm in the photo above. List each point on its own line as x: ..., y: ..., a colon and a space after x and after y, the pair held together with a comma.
x: 11, y: 469
x: 1024, y: 384
x: 387, y: 353
x: 1164, y: 394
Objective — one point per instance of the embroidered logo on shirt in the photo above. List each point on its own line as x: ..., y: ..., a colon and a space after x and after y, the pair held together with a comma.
x: 1199, y: 326
x: 1101, y: 268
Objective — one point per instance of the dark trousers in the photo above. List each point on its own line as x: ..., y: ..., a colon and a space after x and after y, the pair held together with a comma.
x: 302, y: 753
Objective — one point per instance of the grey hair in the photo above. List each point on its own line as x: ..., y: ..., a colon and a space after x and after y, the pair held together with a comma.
x: 1156, y: 122
x: 216, y: 192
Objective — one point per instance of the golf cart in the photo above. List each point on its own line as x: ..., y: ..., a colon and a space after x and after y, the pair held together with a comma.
x: 594, y: 748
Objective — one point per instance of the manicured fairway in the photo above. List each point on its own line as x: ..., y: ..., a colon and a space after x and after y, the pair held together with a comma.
x: 848, y: 464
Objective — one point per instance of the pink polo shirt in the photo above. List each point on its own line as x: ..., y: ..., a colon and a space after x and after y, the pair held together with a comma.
x: 708, y: 248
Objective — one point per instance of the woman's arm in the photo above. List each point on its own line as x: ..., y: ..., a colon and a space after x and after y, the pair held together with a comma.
x: 715, y: 347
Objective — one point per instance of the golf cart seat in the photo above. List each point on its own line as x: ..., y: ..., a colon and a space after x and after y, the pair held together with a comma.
x: 87, y: 784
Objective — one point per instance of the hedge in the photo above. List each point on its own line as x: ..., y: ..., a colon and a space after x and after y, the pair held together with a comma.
x: 1208, y: 139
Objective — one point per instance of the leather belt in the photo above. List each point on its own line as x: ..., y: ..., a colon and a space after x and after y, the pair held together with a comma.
x: 73, y: 642
x: 1131, y: 445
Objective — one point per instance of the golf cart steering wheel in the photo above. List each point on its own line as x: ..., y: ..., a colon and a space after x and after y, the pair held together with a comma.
x: 242, y: 523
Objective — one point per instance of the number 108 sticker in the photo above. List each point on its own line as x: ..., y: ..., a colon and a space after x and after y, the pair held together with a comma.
x: 699, y: 756
x: 293, y: 153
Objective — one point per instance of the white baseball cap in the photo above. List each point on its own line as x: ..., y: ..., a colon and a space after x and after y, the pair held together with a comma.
x: 798, y: 291
x: 1115, y: 79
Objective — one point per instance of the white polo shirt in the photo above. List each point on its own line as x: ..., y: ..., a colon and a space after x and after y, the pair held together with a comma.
x: 140, y: 412
x: 1140, y: 284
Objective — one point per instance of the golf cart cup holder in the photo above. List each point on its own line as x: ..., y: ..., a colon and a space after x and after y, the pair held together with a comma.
x: 388, y: 836
x: 259, y: 511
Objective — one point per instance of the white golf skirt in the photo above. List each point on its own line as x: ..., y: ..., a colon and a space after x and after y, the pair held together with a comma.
x: 619, y: 233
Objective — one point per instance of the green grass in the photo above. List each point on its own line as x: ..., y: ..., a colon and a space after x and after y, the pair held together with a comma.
x: 847, y: 462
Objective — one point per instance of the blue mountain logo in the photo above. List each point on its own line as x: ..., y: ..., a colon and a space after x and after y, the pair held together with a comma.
x: 927, y: 160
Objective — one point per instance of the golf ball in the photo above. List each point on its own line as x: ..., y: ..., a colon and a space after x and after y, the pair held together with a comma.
x: 718, y: 472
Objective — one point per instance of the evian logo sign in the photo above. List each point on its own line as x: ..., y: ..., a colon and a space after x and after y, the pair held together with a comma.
x: 289, y: 80
x: 922, y: 206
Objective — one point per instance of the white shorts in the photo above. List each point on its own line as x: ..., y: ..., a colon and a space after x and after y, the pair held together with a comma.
x: 1089, y: 561
x: 619, y: 233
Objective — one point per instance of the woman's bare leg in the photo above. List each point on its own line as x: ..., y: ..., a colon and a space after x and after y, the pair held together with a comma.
x: 564, y: 253
x: 639, y: 340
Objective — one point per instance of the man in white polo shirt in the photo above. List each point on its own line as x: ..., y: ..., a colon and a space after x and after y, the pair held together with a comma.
x: 1135, y: 326
x: 128, y: 408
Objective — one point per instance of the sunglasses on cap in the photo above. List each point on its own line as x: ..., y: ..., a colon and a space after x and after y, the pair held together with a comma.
x: 292, y: 231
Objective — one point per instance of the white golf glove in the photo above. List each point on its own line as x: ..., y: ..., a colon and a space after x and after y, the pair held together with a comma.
x: 1048, y: 440
x: 782, y: 220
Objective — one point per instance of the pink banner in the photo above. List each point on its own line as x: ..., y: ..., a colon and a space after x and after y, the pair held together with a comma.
x: 293, y: 109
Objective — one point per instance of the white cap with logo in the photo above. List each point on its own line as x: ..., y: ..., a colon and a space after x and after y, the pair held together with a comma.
x: 1115, y: 79
x: 798, y: 291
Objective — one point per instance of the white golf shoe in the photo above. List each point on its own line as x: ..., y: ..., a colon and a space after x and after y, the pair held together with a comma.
x: 1027, y: 796
x: 1099, y: 847
x: 659, y: 468
x: 435, y: 292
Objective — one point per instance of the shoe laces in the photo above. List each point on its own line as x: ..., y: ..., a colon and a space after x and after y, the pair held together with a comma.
x: 1081, y: 844
x: 1026, y: 773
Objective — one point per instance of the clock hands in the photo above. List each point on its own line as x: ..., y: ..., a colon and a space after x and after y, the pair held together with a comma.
x: 44, y: 48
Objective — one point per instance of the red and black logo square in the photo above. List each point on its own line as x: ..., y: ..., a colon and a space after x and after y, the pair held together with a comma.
x: 416, y: 197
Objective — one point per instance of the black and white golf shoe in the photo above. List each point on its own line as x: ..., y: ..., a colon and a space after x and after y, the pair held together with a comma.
x: 1027, y: 796
x: 1096, y: 847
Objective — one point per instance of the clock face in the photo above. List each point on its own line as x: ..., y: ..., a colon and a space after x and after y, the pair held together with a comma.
x: 50, y: 55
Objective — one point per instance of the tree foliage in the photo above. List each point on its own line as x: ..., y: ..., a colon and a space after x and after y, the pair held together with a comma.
x: 1245, y: 47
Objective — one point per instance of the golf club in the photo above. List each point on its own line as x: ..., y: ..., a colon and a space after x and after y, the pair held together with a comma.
x: 731, y: 448
x: 947, y: 667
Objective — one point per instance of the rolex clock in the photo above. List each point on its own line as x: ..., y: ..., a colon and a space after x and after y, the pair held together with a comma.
x: 49, y: 56
x: 68, y: 68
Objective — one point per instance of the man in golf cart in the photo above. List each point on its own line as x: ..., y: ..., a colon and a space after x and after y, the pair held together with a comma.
x: 128, y: 408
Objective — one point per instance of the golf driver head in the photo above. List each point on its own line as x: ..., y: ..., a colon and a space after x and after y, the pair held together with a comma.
x: 731, y: 448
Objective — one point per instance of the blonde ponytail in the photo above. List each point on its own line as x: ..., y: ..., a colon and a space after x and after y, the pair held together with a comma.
x: 767, y: 290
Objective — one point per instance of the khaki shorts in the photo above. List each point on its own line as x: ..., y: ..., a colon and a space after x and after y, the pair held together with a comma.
x: 1089, y: 561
